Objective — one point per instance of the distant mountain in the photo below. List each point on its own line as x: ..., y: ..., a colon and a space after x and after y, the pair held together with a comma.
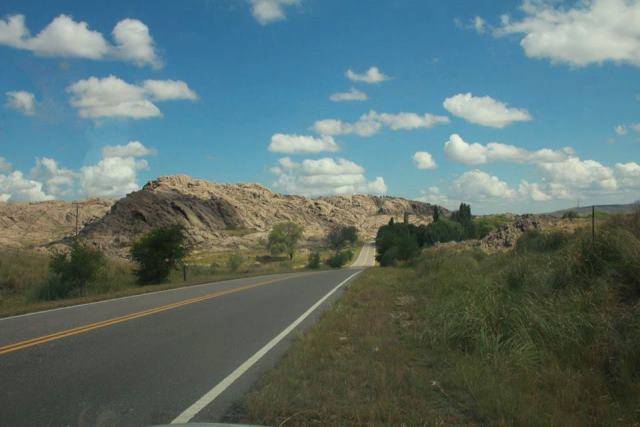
x: 610, y: 209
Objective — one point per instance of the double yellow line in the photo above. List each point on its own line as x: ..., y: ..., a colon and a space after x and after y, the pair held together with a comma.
x: 10, y: 348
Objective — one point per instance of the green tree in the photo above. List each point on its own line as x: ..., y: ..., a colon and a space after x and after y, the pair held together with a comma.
x: 436, y: 214
x: 72, y: 271
x: 314, y: 260
x: 338, y: 237
x: 284, y: 238
x: 158, y: 252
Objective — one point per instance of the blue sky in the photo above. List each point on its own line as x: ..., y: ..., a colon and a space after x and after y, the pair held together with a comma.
x: 510, y: 105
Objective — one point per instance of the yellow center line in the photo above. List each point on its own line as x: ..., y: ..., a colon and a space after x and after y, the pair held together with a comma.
x: 10, y: 348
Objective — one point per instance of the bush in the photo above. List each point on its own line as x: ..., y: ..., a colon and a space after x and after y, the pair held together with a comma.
x: 72, y: 272
x: 158, y: 252
x: 234, y: 262
x: 570, y: 215
x: 537, y: 241
x: 338, y: 237
x: 22, y: 271
x: 284, y: 238
x: 314, y: 260
x: 402, y: 237
x: 339, y: 259
x: 440, y: 232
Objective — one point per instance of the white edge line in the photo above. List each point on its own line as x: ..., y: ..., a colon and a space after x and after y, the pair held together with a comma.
x: 179, y: 288
x: 212, y: 394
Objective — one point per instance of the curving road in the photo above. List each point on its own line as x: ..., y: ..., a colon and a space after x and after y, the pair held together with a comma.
x: 172, y: 356
x: 366, y: 257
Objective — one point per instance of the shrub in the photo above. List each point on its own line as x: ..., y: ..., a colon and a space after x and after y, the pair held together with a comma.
x: 537, y: 241
x: 72, y: 272
x: 440, y: 232
x: 570, y: 215
x: 403, y: 237
x: 339, y: 259
x: 21, y: 271
x: 390, y: 257
x: 314, y: 260
x: 284, y: 238
x: 338, y: 237
x: 234, y: 262
x: 158, y: 252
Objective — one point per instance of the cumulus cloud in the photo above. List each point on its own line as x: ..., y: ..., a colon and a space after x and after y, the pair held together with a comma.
x: 131, y: 149
x: 63, y: 37
x: 372, y: 76
x: 628, y: 175
x: 460, y: 151
x: 353, y: 95
x: 621, y: 130
x: 113, y: 176
x: 533, y: 191
x: 325, y: 176
x: 593, y: 31
x: 485, y: 110
x: 479, y: 25
x: 370, y: 123
x: 5, y: 166
x: 113, y: 97
x: 424, y: 160
x: 476, y: 185
x: 284, y: 143
x: 57, y: 181
x: 269, y: 11
x: 15, y: 187
x: 21, y: 101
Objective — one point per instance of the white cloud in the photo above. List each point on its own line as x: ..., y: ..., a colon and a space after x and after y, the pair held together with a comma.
x: 485, y: 110
x: 370, y: 123
x: 5, y: 166
x: 424, y: 160
x: 533, y: 192
x: 409, y: 121
x: 66, y: 38
x: 372, y: 76
x: 111, y: 177
x: 479, y: 25
x: 593, y: 31
x: 434, y: 196
x: 14, y: 187
x: 131, y: 149
x: 56, y: 181
x: 325, y: 176
x: 477, y: 185
x: 164, y: 90
x: 284, y: 143
x: 460, y: 151
x: 21, y: 101
x: 353, y: 95
x: 628, y: 175
x: 574, y: 176
x: 269, y: 11
x: 621, y: 130
x: 113, y: 97
x: 635, y: 127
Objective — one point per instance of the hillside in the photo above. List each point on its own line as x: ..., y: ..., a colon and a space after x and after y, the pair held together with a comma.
x: 220, y: 216
x: 609, y: 209
x: 38, y: 225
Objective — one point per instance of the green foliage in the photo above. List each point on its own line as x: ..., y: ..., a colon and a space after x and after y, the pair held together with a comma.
x: 402, y: 237
x: 158, y: 252
x: 234, y: 262
x: 21, y: 271
x: 314, y: 260
x: 340, y: 259
x: 284, y: 238
x: 72, y: 272
x: 338, y: 237
x: 560, y: 313
x: 440, y: 232
x: 436, y: 213
x: 464, y: 218
x: 570, y: 215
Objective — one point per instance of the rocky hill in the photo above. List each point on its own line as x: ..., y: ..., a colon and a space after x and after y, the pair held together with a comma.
x: 41, y: 225
x: 219, y: 216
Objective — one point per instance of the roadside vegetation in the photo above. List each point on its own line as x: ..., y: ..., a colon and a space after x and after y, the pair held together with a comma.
x: 546, y: 334
x: 31, y: 281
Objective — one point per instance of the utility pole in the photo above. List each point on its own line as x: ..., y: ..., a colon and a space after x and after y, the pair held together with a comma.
x: 593, y: 224
x: 77, y: 206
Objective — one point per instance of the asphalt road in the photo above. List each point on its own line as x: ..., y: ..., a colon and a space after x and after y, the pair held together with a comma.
x: 177, y: 355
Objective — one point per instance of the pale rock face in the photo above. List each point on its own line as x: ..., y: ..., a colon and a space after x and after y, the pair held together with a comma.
x: 215, y: 216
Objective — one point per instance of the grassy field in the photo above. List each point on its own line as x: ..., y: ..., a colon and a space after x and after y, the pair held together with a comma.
x: 548, y: 334
x: 24, y: 276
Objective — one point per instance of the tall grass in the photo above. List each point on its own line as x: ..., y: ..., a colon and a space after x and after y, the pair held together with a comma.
x: 547, y: 334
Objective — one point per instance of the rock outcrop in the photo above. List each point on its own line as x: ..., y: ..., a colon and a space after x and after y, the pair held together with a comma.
x: 238, y: 215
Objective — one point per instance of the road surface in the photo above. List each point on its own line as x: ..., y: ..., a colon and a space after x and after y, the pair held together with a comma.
x: 366, y: 257
x: 171, y: 356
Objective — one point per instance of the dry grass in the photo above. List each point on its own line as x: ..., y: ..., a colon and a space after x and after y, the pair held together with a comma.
x: 359, y: 366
